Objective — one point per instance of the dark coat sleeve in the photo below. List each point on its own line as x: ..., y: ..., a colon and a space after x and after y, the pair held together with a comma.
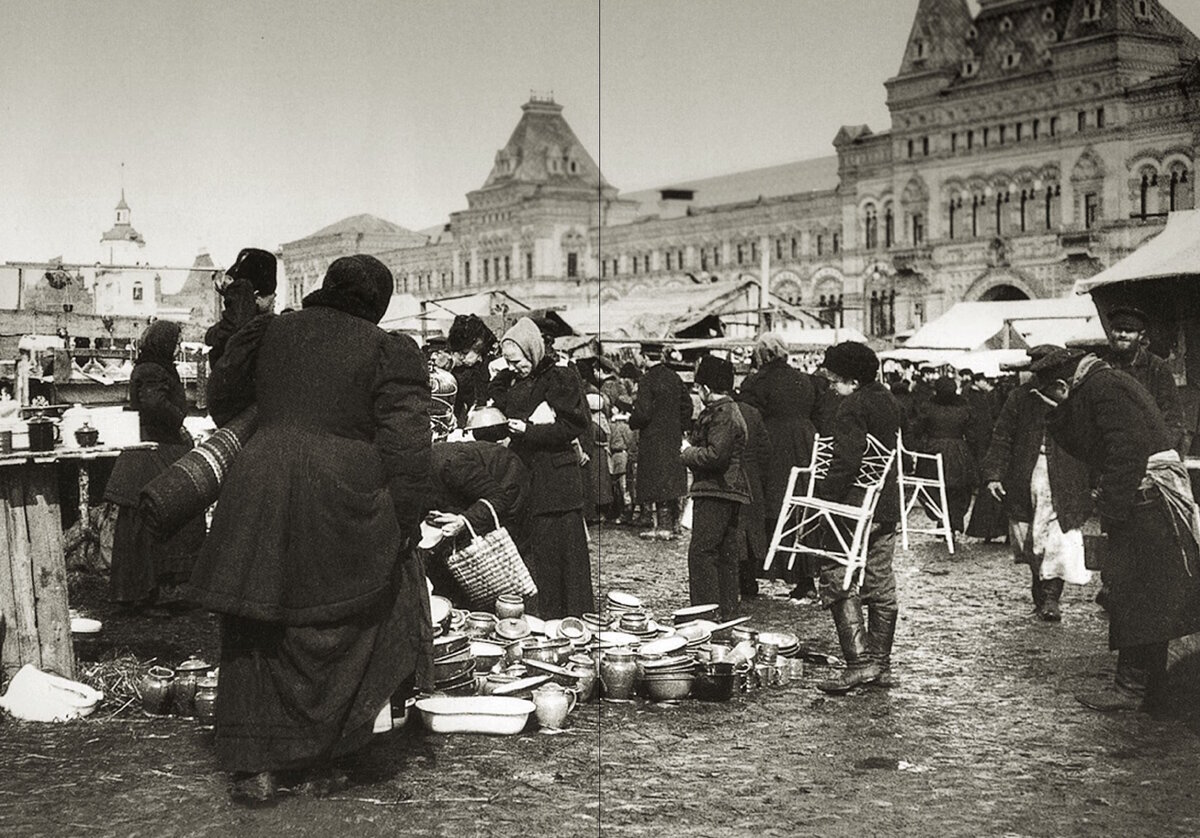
x: 1161, y: 384
x: 713, y: 448
x: 999, y: 452
x: 240, y: 308
x: 563, y: 391
x: 643, y: 405
x: 231, y: 385
x: 151, y: 395
x: 402, y: 435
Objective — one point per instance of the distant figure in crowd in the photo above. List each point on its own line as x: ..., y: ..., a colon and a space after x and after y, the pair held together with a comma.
x: 867, y: 407
x: 1108, y: 420
x: 661, y: 413
x: 310, y: 560
x: 987, y: 516
x: 944, y: 426
x: 546, y: 413
x: 597, y: 483
x: 472, y: 347
x: 785, y: 397
x: 757, y: 462
x: 720, y: 490
x: 1044, y: 492
x: 146, y: 570
x: 248, y: 289
x: 464, y: 474
x: 620, y: 441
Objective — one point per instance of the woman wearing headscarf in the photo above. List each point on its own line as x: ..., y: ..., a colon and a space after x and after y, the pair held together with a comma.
x: 945, y: 425
x: 145, y: 567
x: 546, y: 413
x: 323, y: 604
x: 785, y: 397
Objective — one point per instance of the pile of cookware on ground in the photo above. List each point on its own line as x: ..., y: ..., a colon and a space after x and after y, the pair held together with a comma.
x: 494, y: 669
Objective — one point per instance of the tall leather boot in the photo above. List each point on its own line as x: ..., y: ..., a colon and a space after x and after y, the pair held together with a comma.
x: 881, y: 630
x: 1035, y: 587
x: 852, y: 636
x: 1051, y: 591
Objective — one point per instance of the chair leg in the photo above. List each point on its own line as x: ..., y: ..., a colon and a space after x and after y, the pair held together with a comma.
x: 948, y: 530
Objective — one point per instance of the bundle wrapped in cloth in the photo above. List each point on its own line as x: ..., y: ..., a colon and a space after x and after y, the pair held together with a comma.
x: 192, y: 483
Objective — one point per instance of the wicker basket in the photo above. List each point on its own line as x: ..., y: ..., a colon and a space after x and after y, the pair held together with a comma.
x: 490, y: 565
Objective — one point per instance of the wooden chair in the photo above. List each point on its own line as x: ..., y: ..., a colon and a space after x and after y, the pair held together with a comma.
x: 827, y: 529
x: 930, y: 492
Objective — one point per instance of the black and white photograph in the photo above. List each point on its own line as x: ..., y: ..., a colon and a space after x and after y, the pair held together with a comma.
x: 615, y: 418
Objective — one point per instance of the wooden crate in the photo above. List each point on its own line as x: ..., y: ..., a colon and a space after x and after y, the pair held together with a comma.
x: 33, y: 574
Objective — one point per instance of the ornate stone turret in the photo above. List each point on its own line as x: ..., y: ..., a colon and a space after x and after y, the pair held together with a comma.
x: 121, y: 244
x: 936, y: 46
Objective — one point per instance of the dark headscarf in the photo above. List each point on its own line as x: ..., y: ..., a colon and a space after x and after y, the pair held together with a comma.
x: 360, y: 285
x: 157, y: 344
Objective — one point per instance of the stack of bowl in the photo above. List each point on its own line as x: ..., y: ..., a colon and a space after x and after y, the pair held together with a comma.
x: 512, y: 628
x: 669, y: 678
x: 618, y: 603
x: 453, y: 665
x: 696, y: 634
x: 786, y: 644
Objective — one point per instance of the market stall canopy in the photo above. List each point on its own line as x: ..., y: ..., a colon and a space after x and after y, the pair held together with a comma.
x: 1013, y: 324
x: 1175, y: 252
x: 990, y: 362
x: 406, y: 312
x: 694, y: 310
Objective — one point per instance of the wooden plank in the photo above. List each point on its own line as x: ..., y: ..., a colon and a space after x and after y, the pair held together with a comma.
x: 10, y: 652
x: 22, y: 624
x: 49, y: 571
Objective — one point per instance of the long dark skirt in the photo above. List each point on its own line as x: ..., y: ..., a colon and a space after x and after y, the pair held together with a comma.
x: 1152, y: 598
x: 294, y: 696
x: 141, y: 562
x: 557, y: 556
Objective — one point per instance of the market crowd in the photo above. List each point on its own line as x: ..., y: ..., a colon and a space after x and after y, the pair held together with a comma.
x: 373, y: 458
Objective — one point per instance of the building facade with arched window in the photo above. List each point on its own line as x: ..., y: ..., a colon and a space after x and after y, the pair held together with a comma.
x: 1032, y: 143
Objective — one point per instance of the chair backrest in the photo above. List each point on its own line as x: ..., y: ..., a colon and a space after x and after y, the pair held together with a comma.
x: 876, y: 463
x: 912, y: 458
x: 818, y: 464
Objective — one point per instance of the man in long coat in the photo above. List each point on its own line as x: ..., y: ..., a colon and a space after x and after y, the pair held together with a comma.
x: 661, y: 412
x: 1107, y: 419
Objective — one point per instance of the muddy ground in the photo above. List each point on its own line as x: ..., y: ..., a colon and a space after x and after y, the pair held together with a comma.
x: 983, y: 737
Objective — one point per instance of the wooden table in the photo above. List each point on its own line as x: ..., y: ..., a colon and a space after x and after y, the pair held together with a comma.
x: 33, y: 573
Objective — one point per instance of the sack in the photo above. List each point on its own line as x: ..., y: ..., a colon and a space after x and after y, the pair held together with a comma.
x: 490, y: 565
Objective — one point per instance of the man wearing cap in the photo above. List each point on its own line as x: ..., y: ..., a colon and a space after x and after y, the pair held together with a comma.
x: 1127, y: 351
x: 720, y: 490
x: 1044, y: 492
x: 661, y: 412
x: 866, y: 407
x: 248, y: 289
x: 1105, y: 418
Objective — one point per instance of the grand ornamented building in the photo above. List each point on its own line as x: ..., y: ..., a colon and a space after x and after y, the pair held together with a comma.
x: 1031, y: 144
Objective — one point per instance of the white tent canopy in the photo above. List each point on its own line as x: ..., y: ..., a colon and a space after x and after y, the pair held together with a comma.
x: 1173, y: 252
x: 968, y: 327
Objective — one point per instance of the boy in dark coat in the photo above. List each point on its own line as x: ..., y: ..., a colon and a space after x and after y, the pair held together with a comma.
x: 867, y: 407
x: 719, y: 489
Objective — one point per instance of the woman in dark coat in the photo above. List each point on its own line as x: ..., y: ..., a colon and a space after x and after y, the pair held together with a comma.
x: 944, y: 425
x: 143, y: 565
x: 786, y: 398
x: 662, y: 411
x: 558, y: 550
x: 310, y: 560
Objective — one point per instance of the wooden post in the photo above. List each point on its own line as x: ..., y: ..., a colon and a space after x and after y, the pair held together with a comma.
x: 33, y: 574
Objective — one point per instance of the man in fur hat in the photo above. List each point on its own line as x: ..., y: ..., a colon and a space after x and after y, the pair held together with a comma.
x: 720, y: 489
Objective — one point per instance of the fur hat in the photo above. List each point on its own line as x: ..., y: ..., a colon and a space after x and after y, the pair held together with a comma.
x: 852, y: 360
x: 256, y: 265
x: 715, y: 373
x: 630, y: 371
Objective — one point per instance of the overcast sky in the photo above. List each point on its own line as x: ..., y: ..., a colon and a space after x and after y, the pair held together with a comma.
x: 257, y: 123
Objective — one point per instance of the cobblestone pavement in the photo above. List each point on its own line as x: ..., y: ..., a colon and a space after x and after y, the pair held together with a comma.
x: 982, y: 737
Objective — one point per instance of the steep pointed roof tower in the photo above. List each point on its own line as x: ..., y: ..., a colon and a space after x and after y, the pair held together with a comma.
x: 543, y: 152
x: 937, y: 44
